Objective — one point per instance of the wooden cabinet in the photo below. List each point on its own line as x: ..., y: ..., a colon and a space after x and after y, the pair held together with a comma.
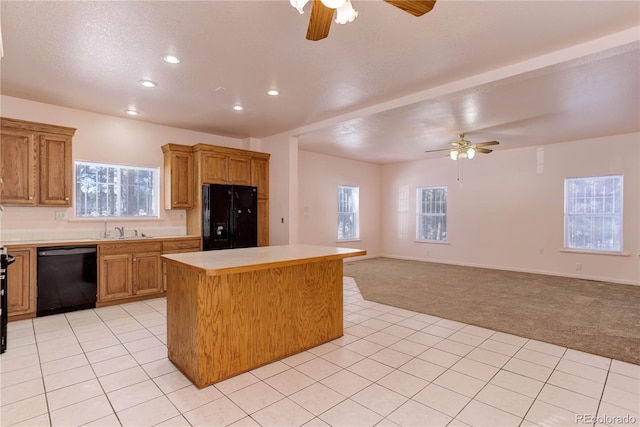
x: 260, y: 176
x: 178, y: 246
x: 35, y: 163
x: 178, y: 177
x: 223, y: 165
x: 115, y: 280
x: 55, y: 170
x: 21, y: 284
x: 220, y: 168
x: 17, y: 166
x: 263, y: 222
x: 128, y: 269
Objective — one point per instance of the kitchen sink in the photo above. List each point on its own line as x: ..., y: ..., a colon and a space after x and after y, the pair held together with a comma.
x: 126, y: 238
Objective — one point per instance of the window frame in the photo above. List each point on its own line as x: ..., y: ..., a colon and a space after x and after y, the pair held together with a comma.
x: 154, y: 188
x: 355, y: 212
x: 569, y: 225
x: 420, y: 215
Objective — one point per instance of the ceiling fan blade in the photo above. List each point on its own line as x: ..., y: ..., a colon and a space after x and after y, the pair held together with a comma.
x: 486, y: 144
x: 414, y: 7
x: 442, y: 149
x: 320, y: 21
x: 483, y: 150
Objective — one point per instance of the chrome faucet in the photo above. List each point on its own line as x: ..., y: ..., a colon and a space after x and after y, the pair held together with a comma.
x: 120, y: 230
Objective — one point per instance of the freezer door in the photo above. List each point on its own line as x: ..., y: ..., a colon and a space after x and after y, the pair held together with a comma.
x: 216, y: 217
x: 245, y: 215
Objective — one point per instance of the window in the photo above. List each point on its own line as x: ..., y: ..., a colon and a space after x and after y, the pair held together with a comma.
x: 431, y: 208
x: 116, y: 190
x: 593, y: 213
x: 348, y: 204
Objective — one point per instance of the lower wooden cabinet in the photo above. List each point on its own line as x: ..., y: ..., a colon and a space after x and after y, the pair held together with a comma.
x: 178, y: 246
x: 21, y: 284
x: 129, y: 270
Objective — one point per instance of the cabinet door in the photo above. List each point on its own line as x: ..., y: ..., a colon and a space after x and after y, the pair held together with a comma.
x: 214, y: 168
x: 115, y: 277
x: 55, y: 170
x: 180, y: 181
x: 260, y: 177
x: 21, y: 287
x: 146, y: 274
x: 263, y: 222
x: 18, y: 167
x: 239, y: 171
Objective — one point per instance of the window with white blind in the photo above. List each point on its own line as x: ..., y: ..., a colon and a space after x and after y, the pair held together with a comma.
x: 593, y: 213
x: 348, y: 213
x: 431, y: 210
x: 108, y: 190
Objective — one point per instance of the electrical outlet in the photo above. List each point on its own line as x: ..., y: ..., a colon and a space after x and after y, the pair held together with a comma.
x: 579, y: 267
x: 426, y: 253
x: 61, y: 215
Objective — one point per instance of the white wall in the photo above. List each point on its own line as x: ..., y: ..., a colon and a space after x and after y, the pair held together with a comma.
x: 103, y: 138
x: 508, y: 209
x: 502, y: 215
x: 319, y: 177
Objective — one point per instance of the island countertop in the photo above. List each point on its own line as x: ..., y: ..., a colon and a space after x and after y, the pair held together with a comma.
x: 228, y: 261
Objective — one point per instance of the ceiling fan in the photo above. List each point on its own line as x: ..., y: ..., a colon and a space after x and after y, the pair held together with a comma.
x: 464, y: 149
x: 322, y: 13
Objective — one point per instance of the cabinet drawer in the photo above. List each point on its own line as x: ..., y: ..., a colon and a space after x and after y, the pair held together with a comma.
x: 129, y: 247
x: 176, y: 245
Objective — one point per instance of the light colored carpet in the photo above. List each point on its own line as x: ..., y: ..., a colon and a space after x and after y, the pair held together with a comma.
x: 595, y: 317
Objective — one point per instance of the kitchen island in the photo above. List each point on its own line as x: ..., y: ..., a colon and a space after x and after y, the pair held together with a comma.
x: 230, y: 311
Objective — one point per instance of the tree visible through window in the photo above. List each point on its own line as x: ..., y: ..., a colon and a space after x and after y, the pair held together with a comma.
x: 431, y: 209
x: 348, y: 213
x: 116, y: 190
x: 593, y: 213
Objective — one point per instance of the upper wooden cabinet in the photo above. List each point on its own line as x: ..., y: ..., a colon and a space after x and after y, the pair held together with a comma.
x: 222, y: 165
x: 178, y: 176
x: 55, y: 170
x: 35, y: 163
x: 260, y: 176
x: 18, y: 167
x: 220, y: 168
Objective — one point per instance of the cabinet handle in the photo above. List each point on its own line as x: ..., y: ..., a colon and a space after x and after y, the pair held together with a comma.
x: 134, y: 260
x: 66, y: 198
x: 30, y: 197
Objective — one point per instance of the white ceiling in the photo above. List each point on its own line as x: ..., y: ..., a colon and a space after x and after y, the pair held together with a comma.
x: 381, y: 89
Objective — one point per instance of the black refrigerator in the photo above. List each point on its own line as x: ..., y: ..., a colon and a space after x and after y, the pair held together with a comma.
x: 229, y: 216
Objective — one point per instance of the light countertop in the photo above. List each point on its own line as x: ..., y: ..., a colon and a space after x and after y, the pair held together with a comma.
x: 229, y: 261
x: 89, y: 241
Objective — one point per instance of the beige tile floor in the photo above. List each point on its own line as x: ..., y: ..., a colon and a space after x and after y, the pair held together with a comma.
x: 392, y: 367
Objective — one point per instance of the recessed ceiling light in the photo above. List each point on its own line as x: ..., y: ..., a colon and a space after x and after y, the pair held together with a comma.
x: 238, y: 107
x: 148, y: 83
x: 273, y: 92
x: 132, y: 112
x: 171, y: 59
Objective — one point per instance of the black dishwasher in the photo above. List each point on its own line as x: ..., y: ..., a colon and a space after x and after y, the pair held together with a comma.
x: 67, y: 279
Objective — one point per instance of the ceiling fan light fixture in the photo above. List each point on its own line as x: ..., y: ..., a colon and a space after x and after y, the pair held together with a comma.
x: 333, y: 4
x: 471, y: 153
x: 453, y: 154
x: 346, y: 13
x: 299, y: 4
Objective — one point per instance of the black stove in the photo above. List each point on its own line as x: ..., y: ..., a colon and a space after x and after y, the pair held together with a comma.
x: 5, y: 261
